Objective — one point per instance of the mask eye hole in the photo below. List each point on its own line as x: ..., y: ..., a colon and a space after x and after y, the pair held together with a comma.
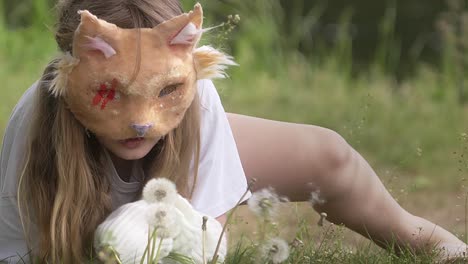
x: 169, y: 89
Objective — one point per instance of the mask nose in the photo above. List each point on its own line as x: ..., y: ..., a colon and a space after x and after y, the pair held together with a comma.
x: 141, y: 129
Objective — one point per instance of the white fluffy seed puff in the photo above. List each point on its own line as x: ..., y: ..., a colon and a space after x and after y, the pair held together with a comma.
x: 160, y: 190
x: 275, y: 250
x: 264, y: 203
x: 163, y: 220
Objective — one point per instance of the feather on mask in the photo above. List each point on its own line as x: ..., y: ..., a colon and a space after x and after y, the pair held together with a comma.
x: 105, y: 93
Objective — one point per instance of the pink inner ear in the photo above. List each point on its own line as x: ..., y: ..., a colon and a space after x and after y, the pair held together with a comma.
x: 97, y: 43
x: 186, y: 36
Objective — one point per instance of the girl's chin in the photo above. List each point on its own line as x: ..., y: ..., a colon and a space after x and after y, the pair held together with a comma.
x: 131, y: 154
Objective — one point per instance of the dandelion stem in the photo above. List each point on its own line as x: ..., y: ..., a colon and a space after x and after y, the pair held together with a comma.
x: 298, y: 244
x: 466, y: 217
x: 146, y: 253
x: 142, y: 260
x: 262, y: 226
x: 153, y: 241
x: 116, y: 257
x: 324, y: 237
x: 159, y: 250
x: 230, y: 214
x: 205, y: 219
x: 299, y: 258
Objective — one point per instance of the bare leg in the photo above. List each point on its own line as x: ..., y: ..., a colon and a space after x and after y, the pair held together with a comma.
x: 294, y: 157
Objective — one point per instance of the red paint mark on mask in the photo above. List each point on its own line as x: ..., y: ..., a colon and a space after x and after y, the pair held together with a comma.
x: 104, y: 94
x: 100, y: 94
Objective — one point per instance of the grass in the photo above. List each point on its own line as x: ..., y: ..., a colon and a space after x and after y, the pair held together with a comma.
x: 23, y: 55
x: 412, y: 132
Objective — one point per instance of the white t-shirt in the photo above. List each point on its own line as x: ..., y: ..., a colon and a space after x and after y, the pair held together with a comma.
x: 221, y: 179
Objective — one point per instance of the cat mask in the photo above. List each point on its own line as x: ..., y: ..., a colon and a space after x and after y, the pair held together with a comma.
x: 126, y: 83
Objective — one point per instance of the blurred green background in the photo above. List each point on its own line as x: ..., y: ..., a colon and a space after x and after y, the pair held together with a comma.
x: 389, y: 76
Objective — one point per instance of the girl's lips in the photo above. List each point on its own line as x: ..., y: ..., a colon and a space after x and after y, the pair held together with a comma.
x: 132, y: 143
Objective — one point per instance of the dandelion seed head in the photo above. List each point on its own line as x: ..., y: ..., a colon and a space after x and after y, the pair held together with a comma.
x: 275, y: 250
x: 163, y: 218
x: 160, y: 190
x: 264, y: 202
x: 323, y: 216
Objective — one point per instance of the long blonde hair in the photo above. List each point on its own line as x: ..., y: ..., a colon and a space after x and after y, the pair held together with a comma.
x: 63, y: 190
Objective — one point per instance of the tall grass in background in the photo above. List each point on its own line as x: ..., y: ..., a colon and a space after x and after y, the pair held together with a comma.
x: 413, y: 127
x: 24, y: 52
x: 402, y: 128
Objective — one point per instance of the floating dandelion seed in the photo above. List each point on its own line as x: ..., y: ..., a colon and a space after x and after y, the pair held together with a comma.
x: 160, y: 190
x: 315, y: 198
x: 236, y: 18
x: 264, y: 203
x: 276, y: 250
x: 163, y: 218
x: 419, y: 151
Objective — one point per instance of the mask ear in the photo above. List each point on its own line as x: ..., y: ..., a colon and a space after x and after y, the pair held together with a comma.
x: 184, y: 30
x: 86, y: 40
x: 90, y: 36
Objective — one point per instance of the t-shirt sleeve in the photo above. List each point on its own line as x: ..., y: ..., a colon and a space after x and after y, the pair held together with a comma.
x: 221, y: 180
x: 12, y: 244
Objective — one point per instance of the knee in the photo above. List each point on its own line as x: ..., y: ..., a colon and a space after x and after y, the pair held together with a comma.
x: 329, y: 160
x: 334, y: 152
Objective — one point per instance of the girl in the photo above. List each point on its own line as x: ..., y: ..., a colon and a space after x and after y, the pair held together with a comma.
x: 64, y: 168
